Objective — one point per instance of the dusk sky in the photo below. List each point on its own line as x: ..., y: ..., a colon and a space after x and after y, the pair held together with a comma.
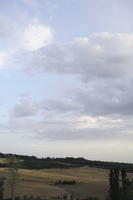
x: 66, y: 78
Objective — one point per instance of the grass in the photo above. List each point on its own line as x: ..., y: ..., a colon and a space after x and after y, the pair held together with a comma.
x: 2, y: 160
x: 90, y: 182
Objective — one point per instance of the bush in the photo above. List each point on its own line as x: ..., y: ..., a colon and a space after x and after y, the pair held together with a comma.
x: 65, y: 182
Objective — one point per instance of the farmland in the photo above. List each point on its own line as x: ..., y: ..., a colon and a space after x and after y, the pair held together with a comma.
x: 48, y: 183
x: 89, y: 182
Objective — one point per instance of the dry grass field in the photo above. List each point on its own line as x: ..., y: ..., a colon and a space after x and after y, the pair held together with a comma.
x: 89, y: 182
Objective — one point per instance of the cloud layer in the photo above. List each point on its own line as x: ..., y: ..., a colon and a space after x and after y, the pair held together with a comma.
x: 101, y: 108
x: 103, y: 61
x: 101, y: 55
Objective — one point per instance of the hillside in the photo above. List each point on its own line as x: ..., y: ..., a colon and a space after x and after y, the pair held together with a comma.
x: 32, y: 162
x: 89, y: 182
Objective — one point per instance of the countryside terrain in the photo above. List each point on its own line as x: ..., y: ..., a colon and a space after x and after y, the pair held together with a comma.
x: 89, y: 181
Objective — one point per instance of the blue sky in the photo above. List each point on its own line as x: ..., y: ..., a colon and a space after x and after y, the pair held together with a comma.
x: 66, y: 78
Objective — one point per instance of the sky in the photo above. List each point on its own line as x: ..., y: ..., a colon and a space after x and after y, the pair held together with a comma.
x: 66, y: 78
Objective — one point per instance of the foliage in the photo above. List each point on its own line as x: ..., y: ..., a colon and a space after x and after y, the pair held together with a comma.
x: 1, y: 188
x: 13, y: 165
x: 32, y: 162
x: 65, y: 182
x: 120, y: 189
x: 64, y: 197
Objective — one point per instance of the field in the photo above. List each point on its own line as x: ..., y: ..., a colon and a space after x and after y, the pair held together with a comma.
x: 89, y: 182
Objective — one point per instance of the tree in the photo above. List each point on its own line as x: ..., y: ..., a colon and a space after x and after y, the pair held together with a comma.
x: 1, y: 188
x: 114, y: 190
x: 111, y: 184
x: 124, y: 189
x: 13, y: 165
x: 120, y: 188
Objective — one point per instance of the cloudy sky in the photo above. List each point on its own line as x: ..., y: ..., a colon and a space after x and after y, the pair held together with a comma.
x: 66, y: 78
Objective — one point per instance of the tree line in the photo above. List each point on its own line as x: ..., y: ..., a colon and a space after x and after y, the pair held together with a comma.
x: 32, y: 162
x: 120, y: 187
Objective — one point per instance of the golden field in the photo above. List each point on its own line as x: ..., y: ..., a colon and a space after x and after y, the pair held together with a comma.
x: 89, y: 182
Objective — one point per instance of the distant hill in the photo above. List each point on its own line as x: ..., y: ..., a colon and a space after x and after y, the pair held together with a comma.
x: 32, y: 162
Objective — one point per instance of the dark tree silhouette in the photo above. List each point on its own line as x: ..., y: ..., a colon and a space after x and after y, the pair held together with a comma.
x: 1, y: 188
x: 120, y: 189
x: 114, y: 189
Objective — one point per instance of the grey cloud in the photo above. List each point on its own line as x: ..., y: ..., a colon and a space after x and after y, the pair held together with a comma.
x: 104, y: 62
x: 4, y: 28
x: 98, y: 98
x: 30, y: 2
x: 101, y: 55
x: 60, y: 126
x: 59, y: 105
x: 106, y: 98
x: 72, y: 134
x: 62, y: 131
x: 24, y: 109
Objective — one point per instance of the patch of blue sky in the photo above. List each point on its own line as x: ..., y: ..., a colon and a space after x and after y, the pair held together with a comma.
x: 13, y: 83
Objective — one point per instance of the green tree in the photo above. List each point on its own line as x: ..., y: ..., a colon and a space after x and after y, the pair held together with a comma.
x: 13, y: 165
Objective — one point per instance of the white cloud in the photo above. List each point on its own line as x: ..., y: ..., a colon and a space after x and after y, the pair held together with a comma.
x: 3, y: 59
x: 36, y: 36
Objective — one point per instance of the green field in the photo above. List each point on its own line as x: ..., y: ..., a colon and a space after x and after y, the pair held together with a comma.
x: 89, y: 182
